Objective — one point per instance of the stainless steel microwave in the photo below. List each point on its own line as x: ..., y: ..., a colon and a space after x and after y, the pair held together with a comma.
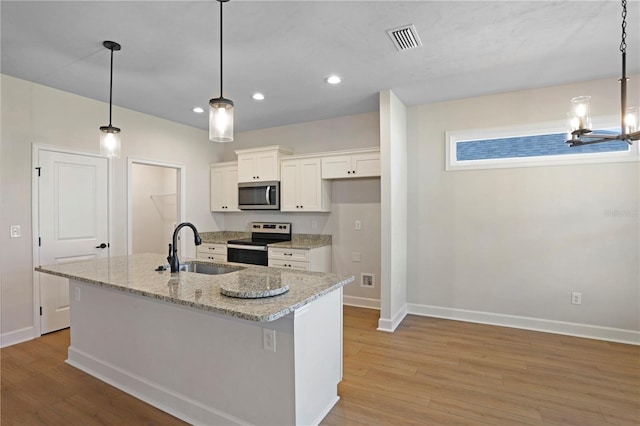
x: 259, y: 195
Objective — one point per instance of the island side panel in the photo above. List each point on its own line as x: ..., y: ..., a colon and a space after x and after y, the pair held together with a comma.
x: 202, y: 367
x: 318, y: 357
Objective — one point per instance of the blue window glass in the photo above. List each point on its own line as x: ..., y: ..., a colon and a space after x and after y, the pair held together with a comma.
x: 531, y: 146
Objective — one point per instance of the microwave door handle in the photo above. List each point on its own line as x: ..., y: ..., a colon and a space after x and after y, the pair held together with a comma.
x: 267, y: 194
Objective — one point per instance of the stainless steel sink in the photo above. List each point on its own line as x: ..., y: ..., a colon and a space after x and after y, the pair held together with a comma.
x: 201, y: 268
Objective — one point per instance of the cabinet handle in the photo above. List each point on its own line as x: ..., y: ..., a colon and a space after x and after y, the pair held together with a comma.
x: 288, y: 254
x: 354, y: 172
x: 348, y: 172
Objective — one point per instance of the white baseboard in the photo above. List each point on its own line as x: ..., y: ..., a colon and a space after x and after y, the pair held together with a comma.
x: 361, y: 302
x: 164, y: 399
x: 326, y: 410
x: 17, y: 336
x: 527, y: 323
x: 391, y: 325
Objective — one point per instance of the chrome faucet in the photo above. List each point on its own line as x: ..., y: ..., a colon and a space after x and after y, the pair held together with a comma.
x: 173, y: 260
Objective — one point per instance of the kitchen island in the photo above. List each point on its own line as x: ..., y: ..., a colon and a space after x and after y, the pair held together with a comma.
x: 174, y: 341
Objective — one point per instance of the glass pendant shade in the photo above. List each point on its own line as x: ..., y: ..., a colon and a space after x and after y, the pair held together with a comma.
x: 110, y: 141
x: 220, y: 120
x: 632, y: 120
x: 581, y: 109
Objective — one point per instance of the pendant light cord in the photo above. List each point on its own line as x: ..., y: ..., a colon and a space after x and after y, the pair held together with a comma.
x: 221, y: 49
x: 623, y: 43
x: 110, y: 86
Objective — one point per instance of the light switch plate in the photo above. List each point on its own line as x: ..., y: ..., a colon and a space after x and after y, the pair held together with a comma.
x: 16, y: 231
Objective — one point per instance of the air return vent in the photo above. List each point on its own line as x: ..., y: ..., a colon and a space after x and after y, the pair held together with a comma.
x: 405, y: 38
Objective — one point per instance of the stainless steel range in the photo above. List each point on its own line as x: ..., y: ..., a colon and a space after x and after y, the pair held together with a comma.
x: 254, y: 250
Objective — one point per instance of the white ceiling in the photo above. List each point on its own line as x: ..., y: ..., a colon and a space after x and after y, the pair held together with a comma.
x: 169, y: 60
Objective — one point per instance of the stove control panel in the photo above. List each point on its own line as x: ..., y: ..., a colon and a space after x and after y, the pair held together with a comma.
x: 271, y: 227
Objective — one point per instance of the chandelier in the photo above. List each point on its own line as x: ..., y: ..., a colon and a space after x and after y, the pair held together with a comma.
x: 580, y: 115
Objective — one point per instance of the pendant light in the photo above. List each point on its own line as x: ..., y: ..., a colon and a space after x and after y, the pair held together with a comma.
x: 221, y: 109
x: 580, y: 116
x: 110, y: 135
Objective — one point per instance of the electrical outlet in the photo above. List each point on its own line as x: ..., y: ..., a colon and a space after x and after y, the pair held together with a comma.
x: 576, y: 298
x: 15, y: 231
x: 358, y: 225
x: 367, y: 280
x: 77, y: 294
x: 268, y: 340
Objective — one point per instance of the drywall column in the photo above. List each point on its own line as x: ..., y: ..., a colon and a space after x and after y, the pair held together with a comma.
x: 393, y: 217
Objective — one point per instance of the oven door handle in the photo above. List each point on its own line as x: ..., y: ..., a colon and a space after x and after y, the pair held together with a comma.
x: 267, y: 194
x: 241, y: 247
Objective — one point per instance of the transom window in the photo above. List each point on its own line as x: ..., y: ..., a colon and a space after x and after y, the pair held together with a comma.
x: 535, y: 145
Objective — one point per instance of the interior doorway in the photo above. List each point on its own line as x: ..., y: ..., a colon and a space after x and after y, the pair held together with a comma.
x: 156, y: 204
x: 70, y: 223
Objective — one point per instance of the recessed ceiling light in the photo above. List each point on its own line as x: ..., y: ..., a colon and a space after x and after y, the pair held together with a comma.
x: 333, y: 79
x: 198, y: 110
x: 258, y: 96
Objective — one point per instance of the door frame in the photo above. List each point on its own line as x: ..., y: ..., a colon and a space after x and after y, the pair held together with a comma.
x: 35, y: 215
x: 181, y: 187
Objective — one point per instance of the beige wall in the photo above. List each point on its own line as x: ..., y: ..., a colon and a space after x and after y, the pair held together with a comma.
x: 37, y: 114
x: 357, y: 199
x: 518, y: 241
x: 154, y: 207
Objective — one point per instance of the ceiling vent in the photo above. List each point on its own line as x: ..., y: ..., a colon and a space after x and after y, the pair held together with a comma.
x: 405, y: 38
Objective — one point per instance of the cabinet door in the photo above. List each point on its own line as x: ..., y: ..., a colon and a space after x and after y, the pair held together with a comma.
x: 309, y: 188
x: 218, y: 189
x: 231, y: 190
x: 245, y: 168
x: 289, y: 187
x: 266, y: 167
x: 364, y: 165
x: 336, y: 167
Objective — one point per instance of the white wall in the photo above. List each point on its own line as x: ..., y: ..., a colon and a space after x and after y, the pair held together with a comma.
x: 351, y: 199
x: 33, y: 113
x: 516, y: 242
x: 154, y: 207
x: 393, y: 168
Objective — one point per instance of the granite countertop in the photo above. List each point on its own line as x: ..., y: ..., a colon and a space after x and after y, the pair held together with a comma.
x: 136, y: 274
x: 221, y: 237
x: 304, y: 241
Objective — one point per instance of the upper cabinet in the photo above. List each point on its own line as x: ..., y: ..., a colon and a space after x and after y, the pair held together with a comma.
x: 362, y: 163
x: 302, y: 188
x: 260, y: 164
x: 224, y: 187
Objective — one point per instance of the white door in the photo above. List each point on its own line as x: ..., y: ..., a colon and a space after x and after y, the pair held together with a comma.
x: 73, y: 223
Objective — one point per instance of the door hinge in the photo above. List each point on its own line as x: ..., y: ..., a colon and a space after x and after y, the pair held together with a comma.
x: 39, y: 242
x: 38, y: 169
x: 40, y: 310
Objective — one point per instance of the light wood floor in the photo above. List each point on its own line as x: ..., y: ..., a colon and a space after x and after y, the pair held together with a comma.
x: 429, y: 372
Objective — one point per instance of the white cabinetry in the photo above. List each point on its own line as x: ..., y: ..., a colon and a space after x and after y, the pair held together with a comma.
x: 260, y: 164
x: 212, y: 251
x: 302, y: 188
x: 316, y: 259
x: 365, y: 163
x: 224, y: 187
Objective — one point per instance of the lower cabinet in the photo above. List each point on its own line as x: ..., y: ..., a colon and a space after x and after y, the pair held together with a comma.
x: 316, y: 259
x: 212, y: 251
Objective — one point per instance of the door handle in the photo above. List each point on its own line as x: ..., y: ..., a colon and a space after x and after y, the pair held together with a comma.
x: 101, y: 246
